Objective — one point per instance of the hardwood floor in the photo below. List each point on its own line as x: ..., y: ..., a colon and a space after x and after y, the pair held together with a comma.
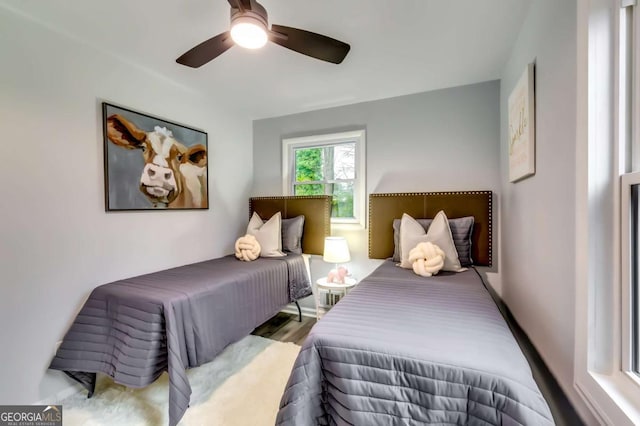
x: 285, y: 328
x: 564, y: 414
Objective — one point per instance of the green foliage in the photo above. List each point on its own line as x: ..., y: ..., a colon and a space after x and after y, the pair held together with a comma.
x: 310, y: 189
x: 342, y: 203
x: 308, y: 164
x: 309, y: 167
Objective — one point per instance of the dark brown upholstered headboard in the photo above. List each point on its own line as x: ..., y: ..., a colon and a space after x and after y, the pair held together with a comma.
x: 383, y: 208
x: 316, y: 211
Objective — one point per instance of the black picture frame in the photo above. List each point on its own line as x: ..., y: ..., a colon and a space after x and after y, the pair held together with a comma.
x: 153, y: 164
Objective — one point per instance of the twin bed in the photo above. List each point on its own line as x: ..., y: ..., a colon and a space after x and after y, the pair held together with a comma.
x: 399, y: 349
x: 402, y: 349
x: 135, y: 329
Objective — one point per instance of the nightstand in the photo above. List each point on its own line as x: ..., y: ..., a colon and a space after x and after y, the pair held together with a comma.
x: 328, y: 294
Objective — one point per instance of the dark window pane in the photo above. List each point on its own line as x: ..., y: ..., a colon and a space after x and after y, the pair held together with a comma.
x: 309, y: 189
x: 309, y: 164
x: 635, y: 250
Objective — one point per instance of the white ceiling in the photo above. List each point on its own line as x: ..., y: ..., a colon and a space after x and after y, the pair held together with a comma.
x: 397, y: 46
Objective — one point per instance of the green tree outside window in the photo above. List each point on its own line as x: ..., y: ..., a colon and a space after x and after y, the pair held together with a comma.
x: 327, y: 170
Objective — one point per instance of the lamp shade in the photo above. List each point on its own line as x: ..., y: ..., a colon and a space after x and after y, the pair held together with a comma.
x: 336, y: 250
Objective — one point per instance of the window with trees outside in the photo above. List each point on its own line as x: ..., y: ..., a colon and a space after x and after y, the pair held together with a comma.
x: 331, y: 164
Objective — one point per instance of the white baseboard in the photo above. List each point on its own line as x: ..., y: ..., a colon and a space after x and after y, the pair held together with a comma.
x: 306, y: 312
x: 60, y: 395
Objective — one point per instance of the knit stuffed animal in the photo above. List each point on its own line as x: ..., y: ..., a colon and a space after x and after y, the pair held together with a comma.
x: 337, y: 275
x: 247, y: 248
x: 427, y: 259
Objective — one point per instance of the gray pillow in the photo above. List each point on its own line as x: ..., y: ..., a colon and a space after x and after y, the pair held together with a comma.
x: 461, y: 230
x: 292, y: 234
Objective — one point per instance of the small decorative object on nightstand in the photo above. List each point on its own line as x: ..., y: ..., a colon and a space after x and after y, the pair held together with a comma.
x: 336, y: 251
x: 337, y: 284
x: 328, y: 294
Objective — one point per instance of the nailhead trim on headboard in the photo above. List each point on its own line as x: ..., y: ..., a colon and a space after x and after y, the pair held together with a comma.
x: 327, y: 208
x: 426, y: 194
x: 316, y: 227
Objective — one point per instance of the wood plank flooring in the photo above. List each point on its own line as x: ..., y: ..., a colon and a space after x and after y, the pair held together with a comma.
x: 285, y: 328
x: 564, y: 414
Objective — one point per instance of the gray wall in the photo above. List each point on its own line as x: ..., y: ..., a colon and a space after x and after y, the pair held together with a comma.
x: 441, y: 140
x: 538, y: 213
x: 56, y: 241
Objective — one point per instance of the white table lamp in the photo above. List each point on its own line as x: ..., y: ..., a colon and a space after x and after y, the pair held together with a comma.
x: 336, y: 251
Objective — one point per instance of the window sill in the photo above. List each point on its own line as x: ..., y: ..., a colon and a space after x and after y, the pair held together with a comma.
x: 345, y: 226
x: 614, y: 398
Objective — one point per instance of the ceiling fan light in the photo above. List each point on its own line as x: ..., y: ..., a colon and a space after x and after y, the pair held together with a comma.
x: 249, y: 33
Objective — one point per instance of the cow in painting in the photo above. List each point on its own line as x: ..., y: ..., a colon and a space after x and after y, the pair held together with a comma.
x: 173, y: 176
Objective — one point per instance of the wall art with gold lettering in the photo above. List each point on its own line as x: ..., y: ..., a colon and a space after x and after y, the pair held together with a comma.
x: 522, y: 135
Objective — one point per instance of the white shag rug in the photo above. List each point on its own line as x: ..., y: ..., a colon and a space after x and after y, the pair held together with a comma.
x: 241, y: 387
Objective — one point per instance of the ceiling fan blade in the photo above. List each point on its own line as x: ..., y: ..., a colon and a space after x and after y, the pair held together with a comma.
x: 310, y: 44
x: 206, y: 51
x: 240, y: 4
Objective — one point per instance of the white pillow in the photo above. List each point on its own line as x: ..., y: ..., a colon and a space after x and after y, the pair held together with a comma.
x: 439, y: 233
x: 411, y: 234
x: 268, y: 234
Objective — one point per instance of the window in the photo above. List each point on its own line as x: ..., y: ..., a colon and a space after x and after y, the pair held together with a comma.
x: 629, y: 166
x: 630, y: 204
x: 331, y: 164
x: 607, y: 356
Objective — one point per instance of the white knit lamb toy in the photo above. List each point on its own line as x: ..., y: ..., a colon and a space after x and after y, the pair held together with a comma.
x: 247, y: 248
x: 427, y: 259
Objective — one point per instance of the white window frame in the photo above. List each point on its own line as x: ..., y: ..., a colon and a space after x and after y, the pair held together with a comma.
x: 603, y: 373
x: 628, y: 180
x: 359, y: 187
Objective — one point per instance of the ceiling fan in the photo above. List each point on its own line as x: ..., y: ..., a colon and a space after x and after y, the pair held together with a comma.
x: 250, y: 29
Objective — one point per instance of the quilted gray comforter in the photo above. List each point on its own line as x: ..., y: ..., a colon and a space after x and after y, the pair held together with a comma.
x: 135, y: 329
x: 406, y: 350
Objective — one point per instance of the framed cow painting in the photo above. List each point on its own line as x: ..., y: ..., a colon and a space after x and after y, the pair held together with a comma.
x: 151, y: 163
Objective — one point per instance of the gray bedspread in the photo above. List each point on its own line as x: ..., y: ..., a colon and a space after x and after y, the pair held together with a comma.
x: 134, y: 329
x: 406, y: 350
